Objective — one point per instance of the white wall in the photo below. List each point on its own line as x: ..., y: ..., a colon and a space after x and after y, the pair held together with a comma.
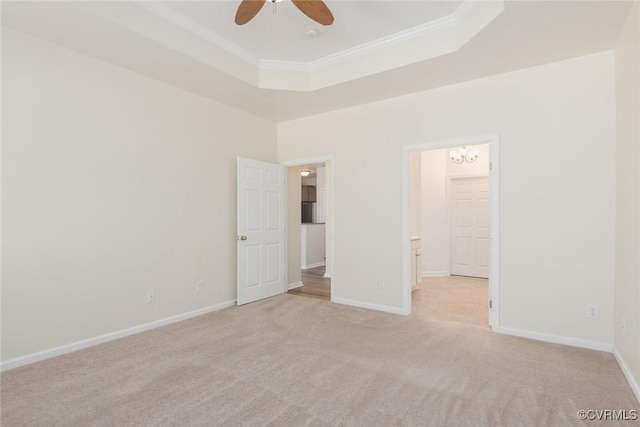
x: 312, y: 245
x: 113, y: 184
x: 435, y: 241
x: 437, y: 170
x: 627, y: 297
x: 557, y: 241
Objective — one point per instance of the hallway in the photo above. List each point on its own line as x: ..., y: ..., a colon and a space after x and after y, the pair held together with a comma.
x: 452, y: 299
x: 315, y: 284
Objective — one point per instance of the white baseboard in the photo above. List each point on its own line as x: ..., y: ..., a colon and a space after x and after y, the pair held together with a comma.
x: 314, y: 265
x: 574, y: 342
x: 295, y: 285
x: 434, y: 274
x: 384, y: 308
x: 327, y: 275
x: 633, y: 382
x: 90, y: 342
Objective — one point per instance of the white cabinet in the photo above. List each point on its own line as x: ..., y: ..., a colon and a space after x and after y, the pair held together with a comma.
x: 416, y: 262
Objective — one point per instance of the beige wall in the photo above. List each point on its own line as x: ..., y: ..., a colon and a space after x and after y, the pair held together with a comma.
x: 435, y: 247
x: 557, y: 194
x: 293, y: 229
x: 627, y: 290
x: 113, y: 184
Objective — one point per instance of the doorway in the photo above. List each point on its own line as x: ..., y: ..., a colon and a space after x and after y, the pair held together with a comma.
x: 314, y: 284
x: 451, y: 229
x: 310, y: 236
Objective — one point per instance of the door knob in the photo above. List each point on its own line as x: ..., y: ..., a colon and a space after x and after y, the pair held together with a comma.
x: 243, y: 237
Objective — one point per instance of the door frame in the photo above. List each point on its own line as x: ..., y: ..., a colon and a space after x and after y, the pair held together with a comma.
x: 330, y: 216
x: 494, y: 182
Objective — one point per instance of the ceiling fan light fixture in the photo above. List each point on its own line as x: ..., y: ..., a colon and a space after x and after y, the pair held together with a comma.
x: 311, y: 32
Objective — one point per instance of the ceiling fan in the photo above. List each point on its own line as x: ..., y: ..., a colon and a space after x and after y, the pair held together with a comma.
x: 314, y: 9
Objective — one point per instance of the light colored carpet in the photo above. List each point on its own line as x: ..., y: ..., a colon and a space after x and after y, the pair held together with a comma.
x: 294, y: 361
x: 453, y: 299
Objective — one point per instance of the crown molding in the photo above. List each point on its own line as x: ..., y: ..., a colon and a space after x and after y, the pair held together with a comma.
x: 464, y: 8
x: 434, y: 38
x: 335, y: 58
x: 199, y: 30
x: 390, y: 40
x: 274, y: 64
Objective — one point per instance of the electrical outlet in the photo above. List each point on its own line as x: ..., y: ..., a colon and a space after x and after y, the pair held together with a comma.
x: 151, y: 297
x: 593, y: 311
x: 378, y: 284
x: 199, y: 286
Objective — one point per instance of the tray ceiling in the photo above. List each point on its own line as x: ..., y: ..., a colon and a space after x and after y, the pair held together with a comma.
x: 182, y: 45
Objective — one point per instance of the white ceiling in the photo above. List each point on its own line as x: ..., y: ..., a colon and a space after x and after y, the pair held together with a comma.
x: 281, y: 35
x: 272, y: 55
x: 189, y: 54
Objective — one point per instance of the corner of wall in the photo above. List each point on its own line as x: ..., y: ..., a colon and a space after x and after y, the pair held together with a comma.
x: 627, y: 235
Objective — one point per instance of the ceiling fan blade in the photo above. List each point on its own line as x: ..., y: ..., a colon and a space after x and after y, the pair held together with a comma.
x: 247, y: 10
x: 316, y: 10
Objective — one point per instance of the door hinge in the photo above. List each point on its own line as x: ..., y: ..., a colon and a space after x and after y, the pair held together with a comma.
x: 490, y: 304
x: 490, y: 166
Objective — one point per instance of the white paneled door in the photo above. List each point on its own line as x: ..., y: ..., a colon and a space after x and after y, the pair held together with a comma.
x: 470, y: 227
x: 261, y: 230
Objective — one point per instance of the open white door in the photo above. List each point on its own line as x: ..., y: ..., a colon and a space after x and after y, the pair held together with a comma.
x: 261, y: 230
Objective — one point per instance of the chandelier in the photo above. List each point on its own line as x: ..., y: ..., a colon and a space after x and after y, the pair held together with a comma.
x: 463, y: 155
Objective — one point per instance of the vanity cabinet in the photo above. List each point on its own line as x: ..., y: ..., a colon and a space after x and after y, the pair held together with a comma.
x: 416, y: 262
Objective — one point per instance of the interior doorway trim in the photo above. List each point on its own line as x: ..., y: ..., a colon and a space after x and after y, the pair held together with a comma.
x: 494, y: 181
x: 329, y: 225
